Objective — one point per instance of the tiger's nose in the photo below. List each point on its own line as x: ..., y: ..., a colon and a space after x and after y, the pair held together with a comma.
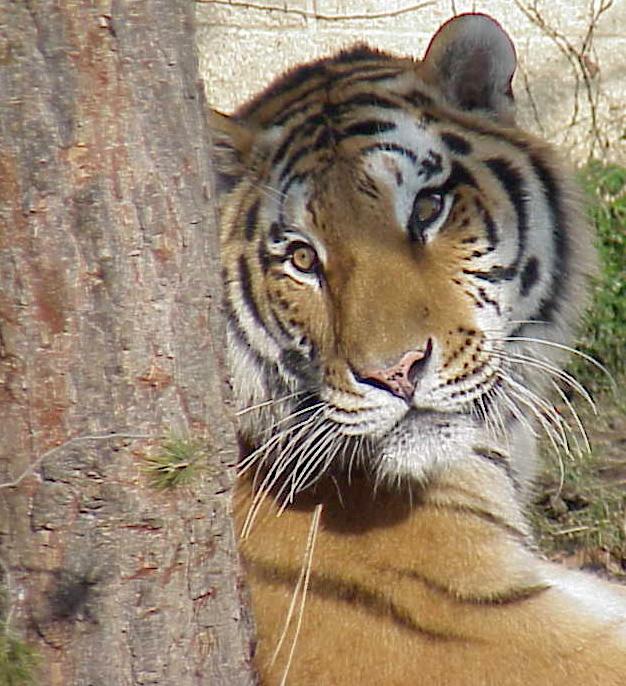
x: 400, y: 379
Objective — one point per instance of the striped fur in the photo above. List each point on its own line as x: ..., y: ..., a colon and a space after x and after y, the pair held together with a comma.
x: 403, y: 269
x: 444, y: 588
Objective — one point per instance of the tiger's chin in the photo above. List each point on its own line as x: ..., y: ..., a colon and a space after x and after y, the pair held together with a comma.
x: 424, y: 442
x: 405, y: 442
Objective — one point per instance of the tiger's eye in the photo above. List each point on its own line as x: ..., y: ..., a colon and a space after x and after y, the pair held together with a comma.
x: 303, y: 258
x: 427, y: 207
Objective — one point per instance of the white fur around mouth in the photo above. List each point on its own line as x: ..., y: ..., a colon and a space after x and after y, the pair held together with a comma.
x: 380, y: 421
x: 424, y: 440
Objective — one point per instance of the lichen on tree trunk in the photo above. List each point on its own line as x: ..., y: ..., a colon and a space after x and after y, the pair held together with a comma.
x: 110, y: 322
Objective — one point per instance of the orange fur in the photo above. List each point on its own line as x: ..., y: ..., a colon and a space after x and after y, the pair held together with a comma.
x: 434, y: 589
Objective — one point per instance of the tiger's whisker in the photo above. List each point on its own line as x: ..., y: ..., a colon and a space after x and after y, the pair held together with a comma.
x: 303, y: 581
x: 549, y: 420
x: 296, y: 456
x: 298, y: 413
x: 274, y: 471
x: 271, y: 476
x: 516, y: 412
x: 299, y: 476
x: 543, y: 365
x: 565, y: 348
x: 575, y: 416
x: 325, y: 456
x: 245, y: 464
x: 270, y: 402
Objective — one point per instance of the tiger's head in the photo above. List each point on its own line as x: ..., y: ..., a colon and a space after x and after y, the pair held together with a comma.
x: 403, y: 266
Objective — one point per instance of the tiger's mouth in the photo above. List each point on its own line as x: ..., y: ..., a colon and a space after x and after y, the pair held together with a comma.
x: 385, y: 435
x: 379, y: 411
x: 409, y: 447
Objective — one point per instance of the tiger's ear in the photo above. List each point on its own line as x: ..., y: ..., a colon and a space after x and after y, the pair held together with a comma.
x: 232, y: 143
x: 472, y: 60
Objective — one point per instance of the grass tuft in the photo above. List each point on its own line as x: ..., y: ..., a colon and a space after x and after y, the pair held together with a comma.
x: 176, y: 462
x: 18, y: 660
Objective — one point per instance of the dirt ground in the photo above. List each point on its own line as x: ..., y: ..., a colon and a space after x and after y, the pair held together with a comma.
x: 581, y: 510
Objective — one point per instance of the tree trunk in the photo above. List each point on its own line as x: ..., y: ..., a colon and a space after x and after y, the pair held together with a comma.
x: 111, y: 337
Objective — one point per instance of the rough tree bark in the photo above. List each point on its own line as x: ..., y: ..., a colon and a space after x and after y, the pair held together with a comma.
x: 110, y: 323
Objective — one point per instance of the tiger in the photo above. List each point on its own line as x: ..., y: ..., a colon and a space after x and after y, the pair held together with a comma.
x: 404, y: 270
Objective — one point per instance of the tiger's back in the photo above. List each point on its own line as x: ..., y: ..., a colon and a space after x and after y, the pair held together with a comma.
x: 403, y: 270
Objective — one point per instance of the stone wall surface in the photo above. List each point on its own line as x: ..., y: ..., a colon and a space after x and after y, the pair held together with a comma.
x: 571, y: 80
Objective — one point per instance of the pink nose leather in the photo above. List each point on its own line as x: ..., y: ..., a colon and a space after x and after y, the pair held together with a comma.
x: 401, y: 379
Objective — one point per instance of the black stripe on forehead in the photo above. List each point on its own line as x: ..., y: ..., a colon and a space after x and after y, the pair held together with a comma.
x: 301, y: 130
x: 418, y: 98
x: 390, y: 147
x: 456, y: 144
x: 372, y: 75
x: 298, y: 105
x: 330, y: 136
x: 293, y: 160
x: 360, y: 64
x: 366, y: 99
x: 322, y: 129
x: 367, y: 127
x: 313, y: 97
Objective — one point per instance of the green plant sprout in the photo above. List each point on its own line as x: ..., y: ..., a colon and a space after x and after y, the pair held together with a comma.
x: 18, y: 660
x: 175, y: 463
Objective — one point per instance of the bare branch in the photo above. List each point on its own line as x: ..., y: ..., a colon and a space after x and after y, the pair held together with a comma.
x: 318, y: 15
x: 531, y: 98
x: 583, y: 68
x: 78, y: 439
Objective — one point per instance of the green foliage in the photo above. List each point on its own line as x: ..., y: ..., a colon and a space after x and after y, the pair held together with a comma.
x: 176, y: 462
x: 604, y: 334
x: 18, y: 660
x: 582, y: 502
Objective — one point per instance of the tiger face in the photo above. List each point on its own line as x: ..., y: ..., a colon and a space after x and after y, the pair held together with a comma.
x: 402, y: 264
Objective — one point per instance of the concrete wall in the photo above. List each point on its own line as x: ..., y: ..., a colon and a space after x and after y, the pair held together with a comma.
x: 244, y: 45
